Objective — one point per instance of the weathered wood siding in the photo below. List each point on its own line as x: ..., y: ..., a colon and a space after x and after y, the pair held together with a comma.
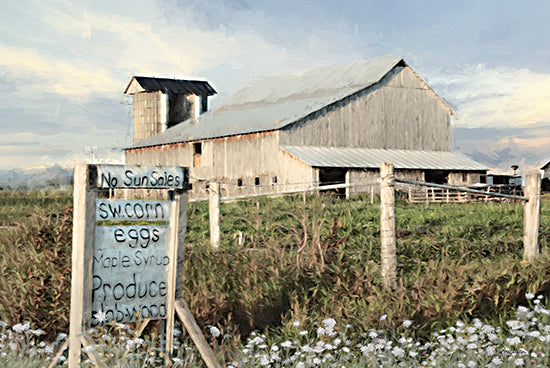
x: 148, y: 119
x: 400, y: 112
x: 463, y: 177
x: 360, y: 179
x: 229, y: 160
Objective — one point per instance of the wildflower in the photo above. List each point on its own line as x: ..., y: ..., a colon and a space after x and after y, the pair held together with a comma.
x: 383, y: 318
x: 286, y: 344
x: 529, y: 296
x: 407, y: 323
x: 300, y: 365
x: 100, y: 316
x: 296, y: 323
x: 90, y: 348
x: 214, y: 331
x: 496, y: 361
x: 37, y: 332
x: 519, y: 361
x: 398, y: 352
x: 471, y: 364
x: 264, y: 360
x: 302, y: 333
x: 21, y: 327
x: 513, y: 340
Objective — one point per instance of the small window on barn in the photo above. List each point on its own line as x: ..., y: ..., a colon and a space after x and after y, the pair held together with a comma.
x: 239, y: 182
x: 206, y: 185
x: 257, y: 180
x: 273, y: 180
x: 189, y: 186
x: 197, y: 154
x: 464, y: 177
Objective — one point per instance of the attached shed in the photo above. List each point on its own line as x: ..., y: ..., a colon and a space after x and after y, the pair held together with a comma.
x: 349, y: 118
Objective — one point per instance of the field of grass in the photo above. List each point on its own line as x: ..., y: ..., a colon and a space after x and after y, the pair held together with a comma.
x: 307, y: 262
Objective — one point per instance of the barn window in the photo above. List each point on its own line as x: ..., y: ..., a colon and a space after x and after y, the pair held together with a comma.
x: 197, y: 154
x: 273, y: 180
x: 464, y: 177
x: 257, y: 180
x: 189, y: 186
x: 206, y: 185
x: 239, y: 182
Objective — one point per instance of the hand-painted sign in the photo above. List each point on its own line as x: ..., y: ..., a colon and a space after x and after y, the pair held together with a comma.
x: 123, y: 273
x: 131, y: 210
x: 120, y: 176
x: 130, y: 272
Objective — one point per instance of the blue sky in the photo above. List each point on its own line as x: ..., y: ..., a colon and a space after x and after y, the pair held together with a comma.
x: 64, y: 64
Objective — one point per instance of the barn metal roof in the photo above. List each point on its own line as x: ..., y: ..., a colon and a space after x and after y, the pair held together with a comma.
x: 274, y: 103
x: 372, y: 158
x: 166, y: 85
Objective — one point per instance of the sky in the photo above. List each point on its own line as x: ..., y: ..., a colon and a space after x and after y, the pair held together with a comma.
x: 64, y: 64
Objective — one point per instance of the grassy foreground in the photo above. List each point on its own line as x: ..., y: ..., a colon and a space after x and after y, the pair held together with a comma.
x: 307, y: 264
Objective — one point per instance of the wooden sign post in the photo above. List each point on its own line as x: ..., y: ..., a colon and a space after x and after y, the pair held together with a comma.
x: 123, y: 272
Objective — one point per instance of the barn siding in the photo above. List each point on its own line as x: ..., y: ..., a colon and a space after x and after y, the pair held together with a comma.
x: 400, y: 112
x: 229, y: 159
x: 358, y: 178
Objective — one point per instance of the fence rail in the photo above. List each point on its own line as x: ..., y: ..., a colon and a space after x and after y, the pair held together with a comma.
x: 460, y: 189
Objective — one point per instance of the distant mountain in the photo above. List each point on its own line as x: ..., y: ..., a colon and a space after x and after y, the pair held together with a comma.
x: 53, y: 176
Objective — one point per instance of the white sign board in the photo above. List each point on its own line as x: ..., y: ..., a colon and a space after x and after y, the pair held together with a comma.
x: 130, y: 272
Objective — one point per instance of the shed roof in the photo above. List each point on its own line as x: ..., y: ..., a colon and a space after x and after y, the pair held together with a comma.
x: 372, y: 158
x: 274, y: 103
x: 167, y: 85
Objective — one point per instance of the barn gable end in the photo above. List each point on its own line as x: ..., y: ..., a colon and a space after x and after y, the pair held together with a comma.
x: 399, y: 112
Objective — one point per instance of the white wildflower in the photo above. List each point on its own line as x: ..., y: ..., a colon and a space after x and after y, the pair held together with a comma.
x: 529, y: 296
x: 519, y: 361
x: 100, y: 316
x: 383, y: 318
x: 300, y: 365
x: 471, y: 364
x: 264, y: 360
x: 496, y: 361
x: 513, y: 340
x: 296, y: 323
x: 398, y: 352
x: 214, y: 331
x: 302, y: 333
x: 407, y: 323
x: 19, y: 328
x: 91, y: 348
x: 286, y: 344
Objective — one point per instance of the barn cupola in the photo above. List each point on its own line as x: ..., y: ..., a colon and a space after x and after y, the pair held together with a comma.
x: 160, y: 103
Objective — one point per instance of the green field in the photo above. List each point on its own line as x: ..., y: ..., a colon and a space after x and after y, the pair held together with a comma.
x: 308, y: 259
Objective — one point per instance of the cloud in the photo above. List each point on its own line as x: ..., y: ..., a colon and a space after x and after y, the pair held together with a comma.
x: 37, y: 73
x: 496, y: 97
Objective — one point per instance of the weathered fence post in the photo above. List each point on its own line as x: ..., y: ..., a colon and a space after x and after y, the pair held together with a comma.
x: 387, y: 226
x: 531, y: 217
x: 82, y: 256
x: 214, y: 205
